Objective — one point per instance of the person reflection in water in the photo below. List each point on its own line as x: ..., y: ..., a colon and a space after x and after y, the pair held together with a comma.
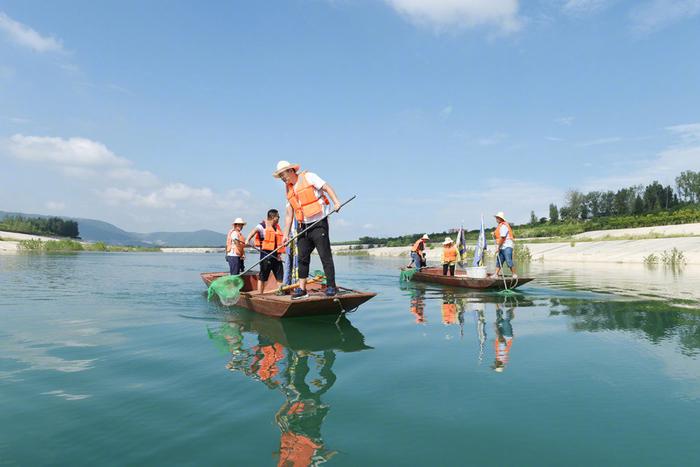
x: 504, y: 338
x: 302, y: 414
x: 418, y: 305
x: 449, y: 309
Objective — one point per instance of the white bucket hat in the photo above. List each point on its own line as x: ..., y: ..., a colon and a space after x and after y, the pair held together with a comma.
x: 284, y: 165
x: 447, y: 241
x: 238, y: 220
x: 500, y: 214
x: 425, y: 237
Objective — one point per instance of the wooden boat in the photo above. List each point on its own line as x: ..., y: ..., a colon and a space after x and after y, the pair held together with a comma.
x: 434, y: 275
x: 282, y: 306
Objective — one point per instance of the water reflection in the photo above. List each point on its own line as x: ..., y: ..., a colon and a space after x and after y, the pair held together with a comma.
x: 296, y: 357
x: 503, y: 341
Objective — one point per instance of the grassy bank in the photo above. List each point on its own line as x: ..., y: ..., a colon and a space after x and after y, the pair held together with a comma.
x: 64, y: 245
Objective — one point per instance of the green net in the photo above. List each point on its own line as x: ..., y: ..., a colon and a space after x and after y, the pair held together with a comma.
x: 407, y: 274
x: 318, y: 273
x: 227, y: 288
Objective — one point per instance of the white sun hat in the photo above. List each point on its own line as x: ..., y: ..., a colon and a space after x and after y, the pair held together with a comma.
x: 239, y: 220
x: 425, y: 237
x: 447, y: 241
x: 284, y: 165
x: 500, y: 214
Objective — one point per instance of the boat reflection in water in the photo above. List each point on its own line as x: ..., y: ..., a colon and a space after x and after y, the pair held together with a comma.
x: 295, y: 356
x: 456, y: 305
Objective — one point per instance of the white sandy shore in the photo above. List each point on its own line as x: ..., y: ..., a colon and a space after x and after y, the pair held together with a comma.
x: 609, y: 251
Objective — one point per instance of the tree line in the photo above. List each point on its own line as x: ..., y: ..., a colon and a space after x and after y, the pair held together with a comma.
x: 634, y: 200
x: 41, y: 226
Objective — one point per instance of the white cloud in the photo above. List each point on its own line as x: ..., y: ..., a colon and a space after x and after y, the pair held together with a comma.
x: 599, y: 141
x: 689, y: 133
x: 368, y: 226
x: 55, y: 206
x: 585, y: 6
x: 554, y: 139
x: 492, y: 140
x: 566, y: 121
x: 655, y: 14
x: 450, y: 14
x: 664, y: 167
x: 71, y: 152
x: 27, y: 37
x: 446, y: 111
x: 17, y: 120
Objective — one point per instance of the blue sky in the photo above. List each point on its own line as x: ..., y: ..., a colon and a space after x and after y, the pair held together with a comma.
x: 166, y: 115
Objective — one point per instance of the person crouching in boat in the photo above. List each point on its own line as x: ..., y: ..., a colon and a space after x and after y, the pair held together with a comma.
x: 505, y: 242
x: 269, y: 238
x: 235, y: 247
x: 418, y: 252
x: 308, y: 203
x: 449, y: 256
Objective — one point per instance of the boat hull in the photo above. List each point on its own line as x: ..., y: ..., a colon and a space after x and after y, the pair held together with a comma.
x: 283, y: 306
x: 435, y: 276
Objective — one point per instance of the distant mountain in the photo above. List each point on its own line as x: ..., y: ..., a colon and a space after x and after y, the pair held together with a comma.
x: 93, y: 230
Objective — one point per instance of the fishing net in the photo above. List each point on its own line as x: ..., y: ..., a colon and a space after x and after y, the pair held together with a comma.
x: 227, y: 288
x: 407, y: 274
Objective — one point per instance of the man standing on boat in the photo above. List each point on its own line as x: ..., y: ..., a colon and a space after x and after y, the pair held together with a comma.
x: 418, y: 252
x: 268, y: 238
x: 308, y: 203
x: 505, y: 242
x: 235, y: 247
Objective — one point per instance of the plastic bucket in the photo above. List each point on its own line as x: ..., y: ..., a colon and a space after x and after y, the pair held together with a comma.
x: 478, y: 272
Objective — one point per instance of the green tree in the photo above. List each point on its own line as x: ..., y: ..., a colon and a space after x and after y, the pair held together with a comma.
x: 553, y: 213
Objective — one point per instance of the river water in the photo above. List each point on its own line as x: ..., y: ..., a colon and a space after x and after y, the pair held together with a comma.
x: 118, y: 359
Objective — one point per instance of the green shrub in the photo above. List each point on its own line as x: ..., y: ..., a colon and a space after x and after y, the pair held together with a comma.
x: 673, y: 258
x: 651, y: 260
x: 33, y: 244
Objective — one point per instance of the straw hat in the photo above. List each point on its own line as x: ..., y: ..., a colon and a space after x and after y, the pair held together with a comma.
x: 238, y: 220
x: 447, y: 241
x: 284, y: 165
x: 425, y: 237
x: 500, y: 214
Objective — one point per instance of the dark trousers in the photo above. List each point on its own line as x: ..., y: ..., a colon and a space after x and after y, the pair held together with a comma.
x: 444, y: 269
x: 235, y: 264
x: 316, y: 238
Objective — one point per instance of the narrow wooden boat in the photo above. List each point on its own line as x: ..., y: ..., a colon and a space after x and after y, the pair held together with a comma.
x: 282, y: 306
x: 434, y: 275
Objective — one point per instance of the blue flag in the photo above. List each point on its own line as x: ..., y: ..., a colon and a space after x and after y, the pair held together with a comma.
x: 480, y: 245
x: 461, y: 246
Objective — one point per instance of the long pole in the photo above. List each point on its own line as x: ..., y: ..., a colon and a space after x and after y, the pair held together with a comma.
x: 299, y: 234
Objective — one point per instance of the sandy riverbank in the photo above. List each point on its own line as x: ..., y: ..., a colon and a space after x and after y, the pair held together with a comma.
x: 601, y: 251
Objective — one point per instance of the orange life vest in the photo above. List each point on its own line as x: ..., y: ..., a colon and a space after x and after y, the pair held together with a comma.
x: 449, y: 254
x: 418, y: 246
x: 497, y: 232
x: 503, y: 349
x: 303, y: 199
x: 273, y: 238
x: 297, y: 450
x: 238, y: 248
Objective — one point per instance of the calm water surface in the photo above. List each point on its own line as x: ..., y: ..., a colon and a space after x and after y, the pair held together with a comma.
x: 118, y: 359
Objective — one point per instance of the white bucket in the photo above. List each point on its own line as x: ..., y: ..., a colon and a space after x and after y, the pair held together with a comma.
x: 478, y: 272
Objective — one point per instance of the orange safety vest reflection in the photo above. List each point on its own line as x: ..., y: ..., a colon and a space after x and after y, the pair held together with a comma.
x: 238, y: 248
x: 267, y: 365
x: 273, y: 238
x: 303, y: 199
x: 449, y: 313
x: 449, y: 254
x: 503, y: 349
x: 296, y: 450
x: 497, y: 232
